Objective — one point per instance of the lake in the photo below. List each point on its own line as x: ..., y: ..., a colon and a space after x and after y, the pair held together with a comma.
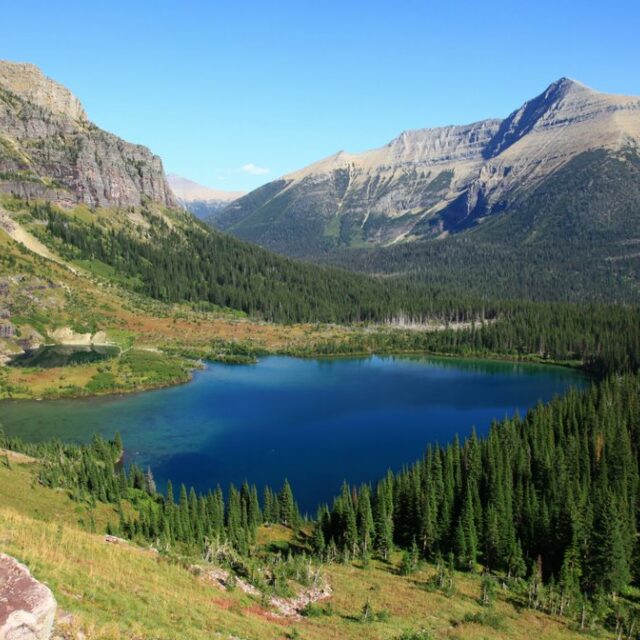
x: 316, y: 422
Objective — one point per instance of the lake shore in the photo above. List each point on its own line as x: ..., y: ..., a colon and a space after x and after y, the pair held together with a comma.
x: 167, y: 369
x: 287, y: 416
x: 176, y: 368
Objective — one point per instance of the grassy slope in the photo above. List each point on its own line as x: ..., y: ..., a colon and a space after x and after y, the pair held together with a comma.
x: 152, y: 335
x: 122, y: 592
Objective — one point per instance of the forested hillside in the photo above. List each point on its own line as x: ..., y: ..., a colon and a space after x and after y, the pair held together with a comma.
x: 572, y: 238
x: 552, y: 495
x: 178, y: 259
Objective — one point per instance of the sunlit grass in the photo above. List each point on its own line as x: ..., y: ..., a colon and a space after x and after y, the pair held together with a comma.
x: 119, y: 591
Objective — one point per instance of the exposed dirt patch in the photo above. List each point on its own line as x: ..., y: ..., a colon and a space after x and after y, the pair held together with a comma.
x: 16, y: 458
x: 265, y: 614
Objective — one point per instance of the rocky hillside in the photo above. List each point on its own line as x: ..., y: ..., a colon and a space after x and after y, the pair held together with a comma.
x: 203, y: 202
x: 50, y: 149
x: 432, y: 183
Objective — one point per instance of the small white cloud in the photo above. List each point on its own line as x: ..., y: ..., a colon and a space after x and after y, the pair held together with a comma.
x: 255, y: 170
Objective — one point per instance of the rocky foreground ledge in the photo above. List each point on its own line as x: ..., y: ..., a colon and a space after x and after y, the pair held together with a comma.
x: 27, y: 607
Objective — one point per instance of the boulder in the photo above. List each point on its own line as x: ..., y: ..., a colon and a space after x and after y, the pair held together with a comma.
x: 27, y: 607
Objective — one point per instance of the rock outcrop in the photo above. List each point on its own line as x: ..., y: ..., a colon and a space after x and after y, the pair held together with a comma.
x: 432, y: 182
x: 27, y: 607
x: 49, y: 149
x: 66, y: 335
x: 27, y: 81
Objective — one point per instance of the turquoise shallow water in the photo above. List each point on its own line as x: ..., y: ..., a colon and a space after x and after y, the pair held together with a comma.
x: 316, y: 422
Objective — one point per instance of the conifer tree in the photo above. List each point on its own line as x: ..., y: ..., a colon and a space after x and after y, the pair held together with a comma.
x: 288, y: 510
x: 365, y: 519
x: 150, y: 484
x: 383, y: 521
x: 609, y: 567
x: 466, y: 537
x: 318, y: 540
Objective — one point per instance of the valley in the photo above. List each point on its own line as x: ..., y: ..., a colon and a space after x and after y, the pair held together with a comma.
x: 428, y: 429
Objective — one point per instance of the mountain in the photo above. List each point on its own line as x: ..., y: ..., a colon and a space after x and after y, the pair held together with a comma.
x: 203, y: 202
x: 75, y: 197
x: 372, y: 197
x: 50, y: 149
x: 435, y: 183
x: 542, y: 138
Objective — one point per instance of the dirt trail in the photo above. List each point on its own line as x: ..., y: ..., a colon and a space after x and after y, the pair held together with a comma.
x: 21, y: 235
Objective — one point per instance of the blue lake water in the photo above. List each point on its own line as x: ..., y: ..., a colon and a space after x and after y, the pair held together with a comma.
x: 315, y: 422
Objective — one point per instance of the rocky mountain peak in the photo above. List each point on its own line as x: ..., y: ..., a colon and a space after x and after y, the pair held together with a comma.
x: 564, y: 102
x: 565, y: 86
x: 28, y: 82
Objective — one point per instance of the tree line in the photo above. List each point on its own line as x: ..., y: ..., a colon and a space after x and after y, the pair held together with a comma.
x: 96, y: 472
x: 600, y: 338
x: 553, y: 494
x: 193, y: 263
x: 197, y: 520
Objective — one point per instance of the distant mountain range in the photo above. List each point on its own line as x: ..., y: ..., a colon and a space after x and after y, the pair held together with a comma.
x: 543, y: 204
x: 432, y: 183
x: 203, y: 202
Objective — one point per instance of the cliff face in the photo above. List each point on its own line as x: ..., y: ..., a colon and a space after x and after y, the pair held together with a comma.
x: 433, y: 182
x: 49, y: 149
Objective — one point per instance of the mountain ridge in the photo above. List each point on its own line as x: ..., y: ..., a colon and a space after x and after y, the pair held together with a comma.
x: 430, y: 183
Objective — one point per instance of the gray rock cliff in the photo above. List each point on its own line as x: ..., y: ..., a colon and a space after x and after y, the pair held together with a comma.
x: 49, y: 149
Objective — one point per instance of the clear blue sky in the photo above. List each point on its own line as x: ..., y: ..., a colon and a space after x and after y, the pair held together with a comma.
x: 213, y: 87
